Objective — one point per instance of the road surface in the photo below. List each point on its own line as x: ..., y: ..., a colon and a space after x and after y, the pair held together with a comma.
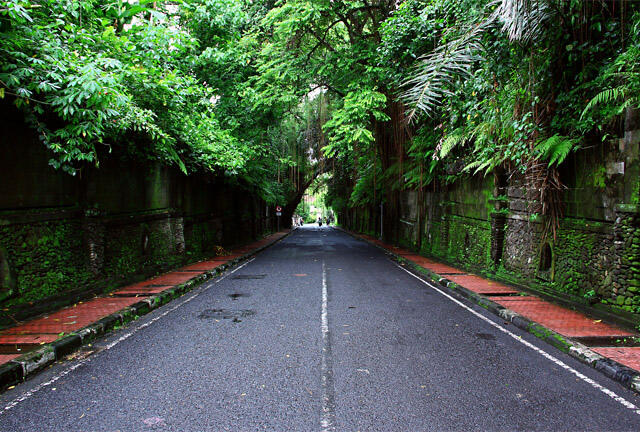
x: 321, y: 332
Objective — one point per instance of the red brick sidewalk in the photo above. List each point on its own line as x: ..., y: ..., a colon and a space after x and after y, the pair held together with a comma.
x: 29, y: 335
x: 564, y: 321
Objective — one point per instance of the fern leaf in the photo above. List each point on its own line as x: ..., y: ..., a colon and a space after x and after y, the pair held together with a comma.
x: 605, y: 96
x: 472, y: 165
x: 451, y: 141
x: 555, y: 149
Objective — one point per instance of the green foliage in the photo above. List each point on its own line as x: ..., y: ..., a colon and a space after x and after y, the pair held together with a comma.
x: 507, y: 91
x: 84, y: 83
x: 182, y: 83
x: 270, y: 94
x: 623, y: 78
x: 350, y: 125
x: 554, y: 150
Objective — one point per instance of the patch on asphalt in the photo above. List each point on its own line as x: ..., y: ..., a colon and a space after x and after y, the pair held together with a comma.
x: 220, y: 314
x: 485, y: 336
x: 248, y: 276
x: 154, y: 421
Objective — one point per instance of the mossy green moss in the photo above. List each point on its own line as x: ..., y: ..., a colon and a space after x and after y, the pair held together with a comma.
x: 46, y: 258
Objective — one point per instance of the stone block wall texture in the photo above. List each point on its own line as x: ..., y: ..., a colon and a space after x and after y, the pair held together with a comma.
x: 108, y: 226
x: 490, y: 225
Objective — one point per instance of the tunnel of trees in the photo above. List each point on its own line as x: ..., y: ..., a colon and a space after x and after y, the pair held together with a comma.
x: 385, y: 95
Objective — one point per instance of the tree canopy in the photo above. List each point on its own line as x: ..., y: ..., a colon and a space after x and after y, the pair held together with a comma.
x: 385, y: 94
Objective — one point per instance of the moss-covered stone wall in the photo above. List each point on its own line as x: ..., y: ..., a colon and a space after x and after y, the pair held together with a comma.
x: 457, y: 223
x: 490, y: 225
x: 107, y: 226
x: 43, y: 257
x: 623, y: 288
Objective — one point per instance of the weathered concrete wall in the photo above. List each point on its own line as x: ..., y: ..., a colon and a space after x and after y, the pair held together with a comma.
x: 106, y: 226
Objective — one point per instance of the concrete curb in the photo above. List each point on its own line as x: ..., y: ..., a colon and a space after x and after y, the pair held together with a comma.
x: 618, y: 372
x: 29, y: 364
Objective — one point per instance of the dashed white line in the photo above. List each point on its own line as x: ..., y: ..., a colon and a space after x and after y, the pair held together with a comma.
x: 107, y: 347
x: 325, y: 300
x: 540, y: 351
x: 327, y: 419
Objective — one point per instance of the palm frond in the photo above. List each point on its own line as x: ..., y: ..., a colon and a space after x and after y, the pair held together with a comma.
x: 522, y: 20
x: 436, y: 71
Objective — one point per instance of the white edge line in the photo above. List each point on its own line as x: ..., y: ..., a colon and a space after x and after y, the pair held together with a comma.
x: 540, y: 351
x: 124, y: 337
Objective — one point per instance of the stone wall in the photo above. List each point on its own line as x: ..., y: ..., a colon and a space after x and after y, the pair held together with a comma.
x: 490, y: 225
x: 456, y: 222
x: 108, y: 226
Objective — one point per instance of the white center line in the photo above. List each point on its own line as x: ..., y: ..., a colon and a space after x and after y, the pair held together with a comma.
x: 327, y: 419
x: 543, y: 353
x: 124, y: 337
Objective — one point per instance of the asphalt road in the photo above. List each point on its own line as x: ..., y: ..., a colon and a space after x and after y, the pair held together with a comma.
x: 319, y: 332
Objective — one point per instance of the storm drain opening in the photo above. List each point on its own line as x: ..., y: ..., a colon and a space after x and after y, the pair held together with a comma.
x: 247, y: 276
x: 234, y: 315
x: 609, y: 341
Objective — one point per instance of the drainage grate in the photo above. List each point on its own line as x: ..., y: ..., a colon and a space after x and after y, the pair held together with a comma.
x: 246, y: 276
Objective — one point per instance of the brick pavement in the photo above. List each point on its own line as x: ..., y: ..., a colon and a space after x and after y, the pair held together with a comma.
x: 561, y: 320
x: 628, y: 356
